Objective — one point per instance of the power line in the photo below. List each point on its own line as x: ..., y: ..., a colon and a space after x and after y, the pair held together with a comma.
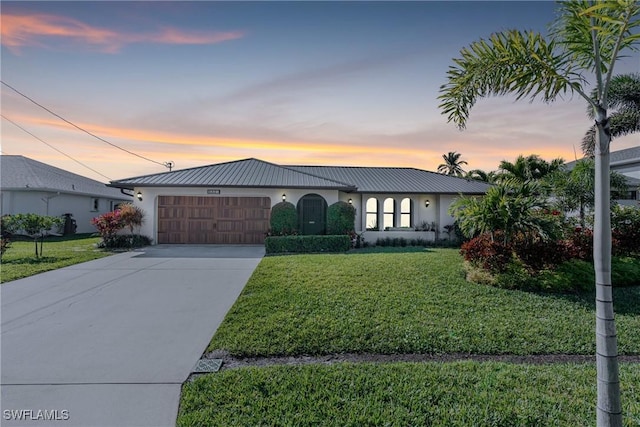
x: 78, y: 127
x: 51, y: 146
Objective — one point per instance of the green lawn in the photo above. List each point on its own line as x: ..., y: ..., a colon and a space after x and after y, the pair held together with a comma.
x: 403, y: 394
x: 404, y: 303
x: 19, y: 260
x: 407, y: 303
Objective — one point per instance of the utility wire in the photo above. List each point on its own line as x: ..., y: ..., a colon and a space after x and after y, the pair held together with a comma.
x: 78, y: 127
x: 51, y: 146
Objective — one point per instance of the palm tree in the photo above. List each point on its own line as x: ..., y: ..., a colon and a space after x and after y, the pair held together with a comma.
x: 529, y: 168
x: 452, y: 164
x: 624, y: 96
x: 480, y: 175
x: 586, y: 40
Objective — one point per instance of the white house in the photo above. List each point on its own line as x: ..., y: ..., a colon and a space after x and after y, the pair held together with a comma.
x: 231, y: 202
x: 29, y: 186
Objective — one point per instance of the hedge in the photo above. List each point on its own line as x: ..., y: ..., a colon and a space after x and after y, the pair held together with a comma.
x: 306, y: 244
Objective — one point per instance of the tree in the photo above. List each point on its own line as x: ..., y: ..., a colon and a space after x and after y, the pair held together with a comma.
x: 452, y: 164
x: 36, y: 226
x: 528, y: 168
x: 624, y: 97
x: 586, y: 40
x: 341, y: 218
x: 574, y: 190
x: 480, y: 175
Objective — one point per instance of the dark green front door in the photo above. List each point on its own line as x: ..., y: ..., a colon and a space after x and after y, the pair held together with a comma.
x: 312, y: 213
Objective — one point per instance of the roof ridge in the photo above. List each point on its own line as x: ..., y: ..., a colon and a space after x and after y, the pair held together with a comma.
x: 318, y: 176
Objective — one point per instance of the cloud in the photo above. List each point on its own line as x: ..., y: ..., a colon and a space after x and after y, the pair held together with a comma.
x: 41, y: 30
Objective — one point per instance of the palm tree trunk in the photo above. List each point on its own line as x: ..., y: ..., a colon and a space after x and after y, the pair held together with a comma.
x: 609, y: 412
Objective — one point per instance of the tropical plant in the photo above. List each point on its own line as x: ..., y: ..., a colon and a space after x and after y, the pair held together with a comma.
x: 508, y: 208
x: 528, y: 168
x: 574, y: 190
x: 108, y: 224
x: 452, y: 164
x: 131, y: 216
x: 480, y: 175
x: 624, y: 98
x: 586, y: 40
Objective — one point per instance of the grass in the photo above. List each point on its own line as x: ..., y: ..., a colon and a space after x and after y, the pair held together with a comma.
x: 19, y: 260
x: 403, y: 394
x: 407, y: 303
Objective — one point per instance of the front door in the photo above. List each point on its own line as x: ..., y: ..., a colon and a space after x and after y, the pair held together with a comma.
x: 312, y: 214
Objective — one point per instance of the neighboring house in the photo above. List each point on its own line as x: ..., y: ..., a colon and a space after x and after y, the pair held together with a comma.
x: 29, y: 186
x: 231, y: 202
x: 627, y: 163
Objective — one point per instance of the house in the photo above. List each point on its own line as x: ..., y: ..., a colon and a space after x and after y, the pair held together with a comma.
x: 29, y: 186
x: 231, y: 202
x: 627, y: 163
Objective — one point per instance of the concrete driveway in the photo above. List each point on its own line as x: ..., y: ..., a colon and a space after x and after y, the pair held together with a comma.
x: 109, y: 342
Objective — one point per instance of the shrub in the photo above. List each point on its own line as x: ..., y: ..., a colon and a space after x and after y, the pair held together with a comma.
x: 538, y: 254
x: 625, y: 230
x: 284, y: 219
x: 4, y: 245
x: 307, y: 244
x: 131, y: 216
x: 492, y: 255
x: 579, y: 244
x: 125, y: 241
x: 108, y: 225
x: 341, y: 218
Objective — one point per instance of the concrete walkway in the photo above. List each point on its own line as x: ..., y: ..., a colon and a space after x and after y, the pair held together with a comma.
x: 109, y: 342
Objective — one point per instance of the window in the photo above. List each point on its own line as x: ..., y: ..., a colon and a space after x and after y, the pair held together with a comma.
x: 372, y: 214
x: 95, y: 204
x: 389, y: 212
x: 406, y: 213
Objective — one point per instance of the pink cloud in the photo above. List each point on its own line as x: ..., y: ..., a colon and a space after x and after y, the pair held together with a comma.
x: 40, y: 30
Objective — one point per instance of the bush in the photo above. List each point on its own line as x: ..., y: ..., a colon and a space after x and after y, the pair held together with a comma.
x: 125, y: 241
x: 579, y: 245
x: 625, y: 230
x: 284, y: 219
x: 306, y: 244
x: 108, y: 225
x: 483, y: 251
x: 131, y: 216
x: 538, y: 254
x: 341, y: 218
x: 4, y: 245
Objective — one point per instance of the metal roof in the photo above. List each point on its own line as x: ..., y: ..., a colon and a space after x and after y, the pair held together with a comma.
x: 628, y: 155
x: 240, y: 173
x: 25, y: 174
x: 397, y: 180
x: 258, y: 173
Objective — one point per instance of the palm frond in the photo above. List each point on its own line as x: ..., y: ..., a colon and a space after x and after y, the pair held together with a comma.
x: 522, y: 63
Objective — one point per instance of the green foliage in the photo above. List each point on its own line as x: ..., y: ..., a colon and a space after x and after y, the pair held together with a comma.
x: 452, y: 165
x: 341, y: 217
x: 34, y: 225
x: 532, y: 167
x: 129, y: 241
x: 625, y: 225
x: 131, y: 216
x: 307, y: 244
x: 284, y: 219
x: 509, y: 207
x: 453, y: 394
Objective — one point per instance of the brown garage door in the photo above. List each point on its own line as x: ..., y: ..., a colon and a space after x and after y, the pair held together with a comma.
x: 214, y: 220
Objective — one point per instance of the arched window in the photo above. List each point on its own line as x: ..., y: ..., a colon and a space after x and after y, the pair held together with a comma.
x: 406, y: 212
x: 372, y: 214
x: 389, y: 212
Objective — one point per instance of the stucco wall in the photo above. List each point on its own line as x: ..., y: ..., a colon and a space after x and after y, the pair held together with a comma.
x: 54, y: 204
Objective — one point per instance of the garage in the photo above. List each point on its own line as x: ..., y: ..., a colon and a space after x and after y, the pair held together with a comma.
x: 213, y: 220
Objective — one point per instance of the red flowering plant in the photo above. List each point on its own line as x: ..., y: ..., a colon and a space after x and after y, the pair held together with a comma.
x: 108, y: 225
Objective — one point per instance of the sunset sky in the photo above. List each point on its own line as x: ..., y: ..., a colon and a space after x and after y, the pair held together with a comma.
x: 334, y: 83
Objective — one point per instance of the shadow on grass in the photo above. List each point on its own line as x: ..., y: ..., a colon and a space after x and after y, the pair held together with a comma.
x: 625, y: 299
x: 390, y: 250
